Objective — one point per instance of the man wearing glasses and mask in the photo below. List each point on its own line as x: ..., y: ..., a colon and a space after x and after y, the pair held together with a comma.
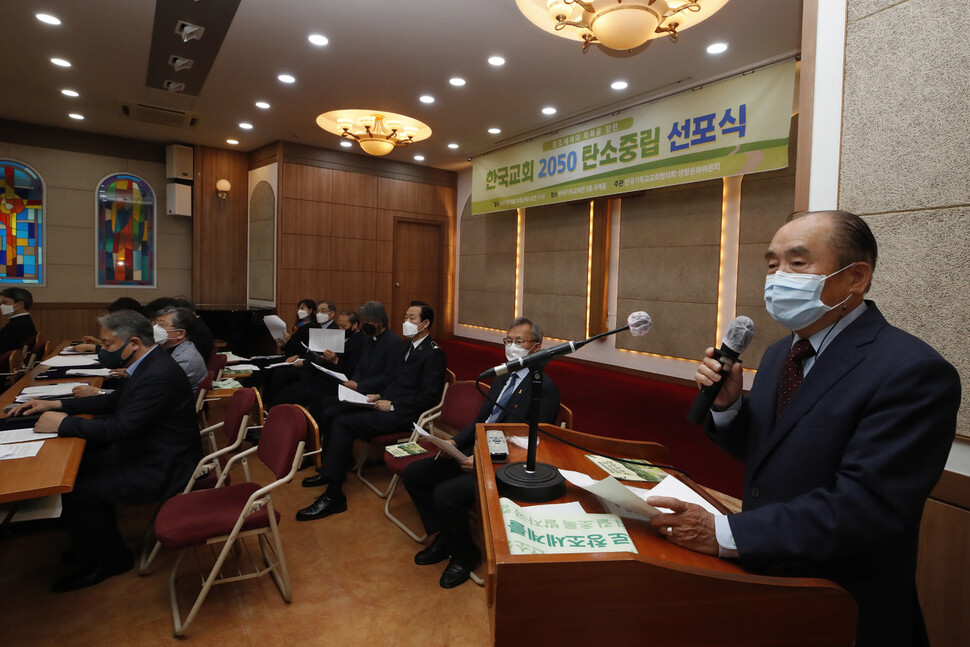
x: 443, y: 489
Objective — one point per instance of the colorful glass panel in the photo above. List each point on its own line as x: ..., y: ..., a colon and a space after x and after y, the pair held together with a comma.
x: 125, y: 232
x: 21, y: 224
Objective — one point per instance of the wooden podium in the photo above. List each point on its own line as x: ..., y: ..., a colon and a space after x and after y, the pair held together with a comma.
x: 661, y: 595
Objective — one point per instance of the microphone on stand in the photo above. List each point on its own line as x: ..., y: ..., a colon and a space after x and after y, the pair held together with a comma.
x: 638, y: 323
x: 736, y: 339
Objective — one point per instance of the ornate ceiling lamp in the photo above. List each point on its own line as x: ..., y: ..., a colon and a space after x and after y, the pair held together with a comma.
x: 378, y: 132
x: 617, y: 24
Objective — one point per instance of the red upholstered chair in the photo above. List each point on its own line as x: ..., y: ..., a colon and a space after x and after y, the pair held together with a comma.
x: 460, y: 405
x: 229, y: 434
x: 227, y: 514
x: 38, y: 350
x: 390, y: 439
x: 215, y: 365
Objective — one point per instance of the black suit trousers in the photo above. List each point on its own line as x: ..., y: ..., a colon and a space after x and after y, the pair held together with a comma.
x: 442, y: 492
x: 357, y: 423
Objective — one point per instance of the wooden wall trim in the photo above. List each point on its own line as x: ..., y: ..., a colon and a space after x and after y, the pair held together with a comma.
x: 806, y: 103
x: 76, y: 141
x: 365, y: 164
x: 264, y: 156
x: 953, y: 488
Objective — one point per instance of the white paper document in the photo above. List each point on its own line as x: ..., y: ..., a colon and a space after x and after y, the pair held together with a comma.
x: 241, y: 368
x: 322, y: 339
x: 441, y: 444
x: 22, y: 435
x: 88, y: 372
x: 20, y: 450
x: 278, y: 364
x: 539, y: 530
x: 276, y: 326
x: 672, y: 487
x: 232, y: 358
x: 337, y: 374
x: 71, y: 360
x: 50, y: 391
x: 617, y: 497
x: 349, y: 395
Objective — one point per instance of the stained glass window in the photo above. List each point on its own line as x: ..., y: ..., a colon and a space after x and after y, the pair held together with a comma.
x: 21, y: 224
x: 125, y: 232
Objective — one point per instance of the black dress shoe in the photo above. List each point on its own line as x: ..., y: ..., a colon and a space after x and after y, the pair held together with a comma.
x: 315, y: 481
x: 324, y: 506
x: 457, y: 572
x: 92, y: 574
x: 438, y: 551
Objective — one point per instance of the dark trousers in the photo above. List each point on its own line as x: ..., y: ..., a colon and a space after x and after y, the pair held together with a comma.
x: 89, y: 509
x: 351, y: 424
x: 442, y: 492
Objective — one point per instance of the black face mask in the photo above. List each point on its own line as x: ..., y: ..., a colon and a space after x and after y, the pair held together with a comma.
x: 348, y: 333
x: 369, y: 329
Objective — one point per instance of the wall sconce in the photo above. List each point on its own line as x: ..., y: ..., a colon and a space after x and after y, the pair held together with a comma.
x: 223, y: 187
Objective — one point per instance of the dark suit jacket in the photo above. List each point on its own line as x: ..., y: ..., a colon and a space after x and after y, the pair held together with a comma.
x: 346, y: 361
x: 378, y: 363
x: 519, y: 404
x: 16, y: 333
x: 149, y: 425
x: 419, y: 381
x: 836, y: 486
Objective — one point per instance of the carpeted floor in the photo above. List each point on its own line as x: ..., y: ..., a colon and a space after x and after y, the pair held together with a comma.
x: 618, y: 405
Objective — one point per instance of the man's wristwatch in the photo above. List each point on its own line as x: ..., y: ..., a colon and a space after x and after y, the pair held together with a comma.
x: 390, y: 406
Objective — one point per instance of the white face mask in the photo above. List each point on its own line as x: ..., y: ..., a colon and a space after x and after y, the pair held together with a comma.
x: 302, y: 314
x: 795, y: 300
x: 161, y: 335
x: 6, y: 309
x: 323, y: 317
x: 409, y: 329
x: 513, y: 352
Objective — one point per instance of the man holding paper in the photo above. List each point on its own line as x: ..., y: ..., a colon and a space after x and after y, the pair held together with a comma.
x: 442, y: 488
x: 417, y: 387
x: 142, y: 448
x: 845, y: 431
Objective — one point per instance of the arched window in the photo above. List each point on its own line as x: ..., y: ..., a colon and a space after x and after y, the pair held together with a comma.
x: 125, y: 230
x: 21, y: 224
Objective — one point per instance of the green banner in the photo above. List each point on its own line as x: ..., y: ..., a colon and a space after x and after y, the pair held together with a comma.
x: 733, y: 127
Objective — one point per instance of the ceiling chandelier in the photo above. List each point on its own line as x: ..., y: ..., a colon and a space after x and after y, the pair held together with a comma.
x: 378, y: 132
x: 617, y: 24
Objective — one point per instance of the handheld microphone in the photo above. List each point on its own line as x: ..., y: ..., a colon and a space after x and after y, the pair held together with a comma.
x: 736, y: 339
x: 638, y: 323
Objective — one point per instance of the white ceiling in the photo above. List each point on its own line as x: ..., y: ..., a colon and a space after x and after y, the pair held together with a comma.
x: 383, y: 54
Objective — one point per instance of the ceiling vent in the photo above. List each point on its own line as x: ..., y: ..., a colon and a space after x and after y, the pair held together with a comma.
x: 159, y: 115
x: 188, y: 31
x: 173, y: 86
x: 180, y: 62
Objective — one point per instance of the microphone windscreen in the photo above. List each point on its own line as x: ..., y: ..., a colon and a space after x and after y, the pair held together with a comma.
x: 739, y: 334
x: 639, y: 323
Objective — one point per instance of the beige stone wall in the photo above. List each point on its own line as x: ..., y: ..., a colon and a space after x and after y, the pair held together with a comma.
x: 486, y: 269
x: 72, y: 180
x: 905, y: 163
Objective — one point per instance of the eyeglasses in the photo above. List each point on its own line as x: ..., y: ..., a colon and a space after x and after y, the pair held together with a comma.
x: 521, y: 343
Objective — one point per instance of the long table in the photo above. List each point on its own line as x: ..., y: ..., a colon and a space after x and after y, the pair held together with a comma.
x: 661, y: 595
x: 53, y: 469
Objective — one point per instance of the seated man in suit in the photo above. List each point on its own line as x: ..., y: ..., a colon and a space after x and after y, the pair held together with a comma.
x: 443, y: 489
x: 178, y: 324
x: 15, y: 304
x: 416, y: 388
x: 142, y: 448
x: 845, y: 431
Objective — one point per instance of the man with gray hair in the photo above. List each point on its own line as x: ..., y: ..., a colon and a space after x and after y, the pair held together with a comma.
x: 173, y: 328
x: 143, y: 447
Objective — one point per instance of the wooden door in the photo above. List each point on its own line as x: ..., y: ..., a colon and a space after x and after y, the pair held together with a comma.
x: 418, y: 268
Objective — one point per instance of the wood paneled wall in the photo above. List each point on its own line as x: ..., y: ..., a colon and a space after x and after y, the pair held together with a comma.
x: 61, y: 321
x: 219, y: 230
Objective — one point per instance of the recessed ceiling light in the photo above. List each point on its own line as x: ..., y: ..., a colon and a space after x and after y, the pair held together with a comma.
x: 287, y: 78
x: 318, y: 40
x: 419, y: 158
x: 619, y: 85
x: 495, y: 131
x: 452, y: 145
x: 77, y: 116
x: 245, y: 125
x: 548, y: 110
x: 232, y: 141
x: 47, y: 18
x: 426, y: 98
x: 496, y: 61
x: 60, y: 62
x: 716, y: 48
x: 457, y: 81
x: 262, y: 104
x: 346, y: 144
x: 70, y: 93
